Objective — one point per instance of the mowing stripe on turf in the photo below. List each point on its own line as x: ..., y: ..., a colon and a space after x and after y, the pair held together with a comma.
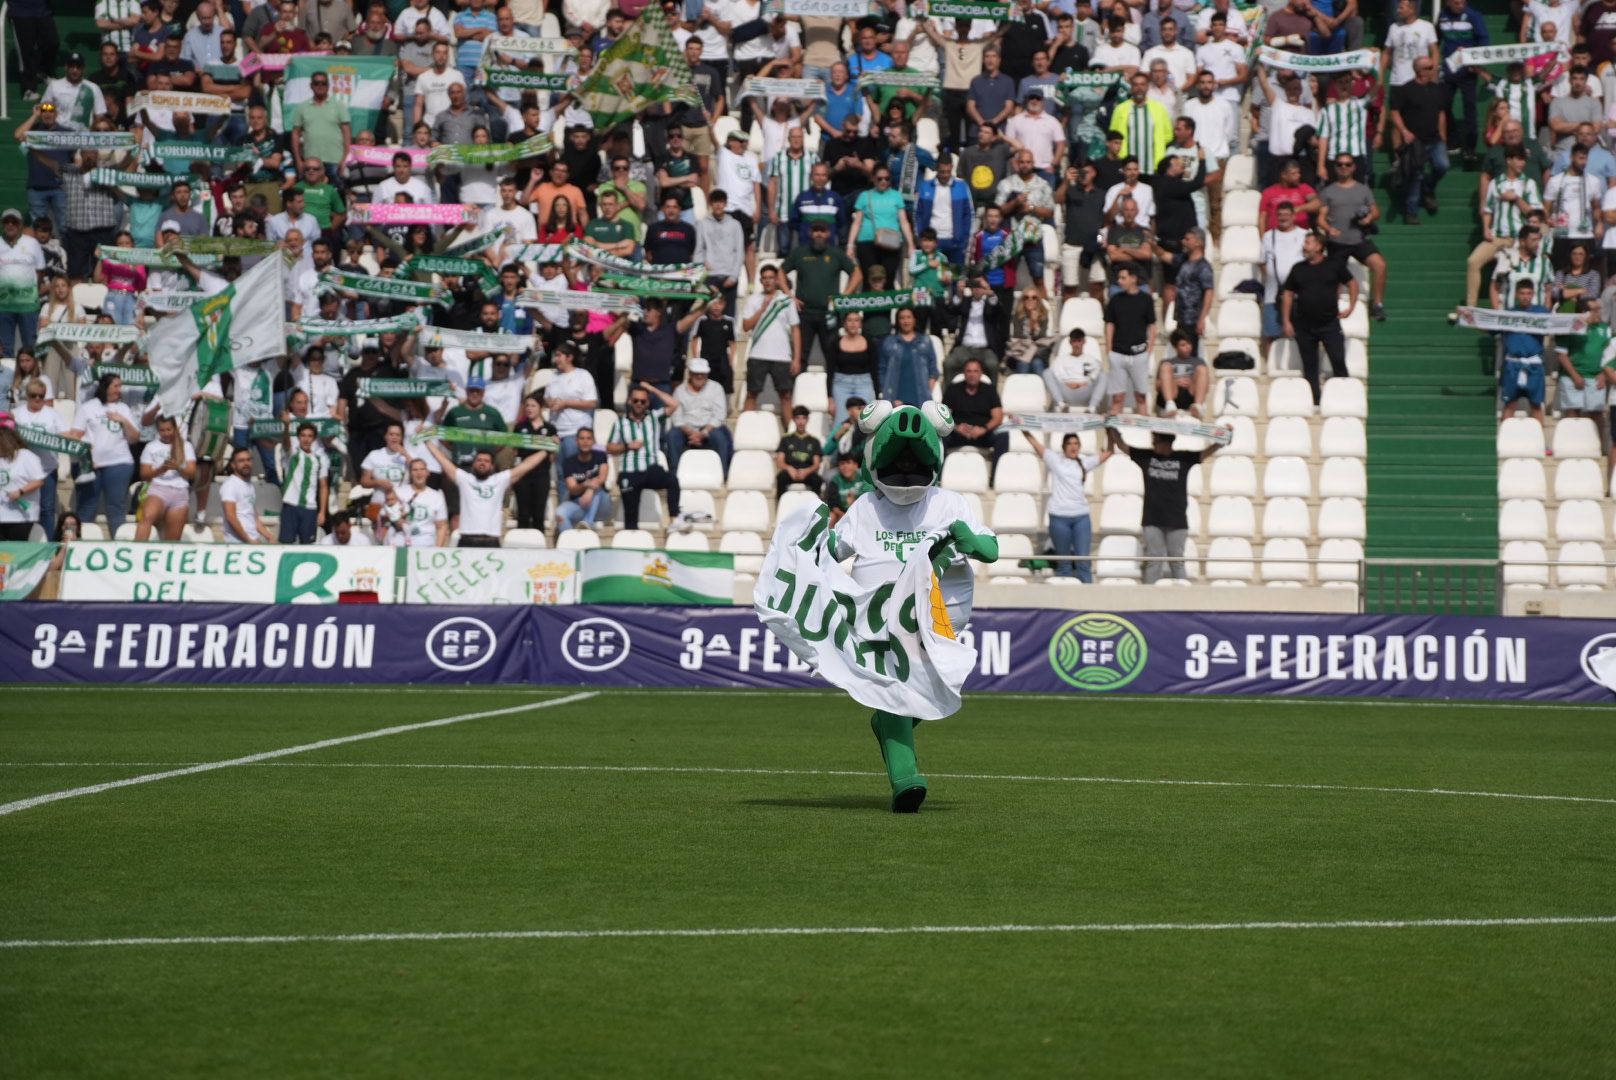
x: 808, y: 931
x: 268, y: 755
x: 736, y: 771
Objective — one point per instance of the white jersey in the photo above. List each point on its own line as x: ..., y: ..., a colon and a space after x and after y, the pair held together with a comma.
x: 1407, y: 42
x: 482, y: 503
x: 240, y: 492
x: 771, y: 339
x: 385, y: 465
x: 882, y: 536
x: 422, y: 511
x: 1216, y: 126
x: 109, y: 444
x: 16, y: 474
x: 736, y: 175
x: 50, y: 421
x: 157, y: 455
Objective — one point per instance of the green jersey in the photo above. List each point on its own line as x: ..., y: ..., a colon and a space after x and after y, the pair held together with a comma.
x: 486, y: 418
x: 1587, y: 352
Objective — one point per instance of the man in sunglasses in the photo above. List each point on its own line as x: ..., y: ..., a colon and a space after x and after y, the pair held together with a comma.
x: 321, y: 127
x: 1346, y: 213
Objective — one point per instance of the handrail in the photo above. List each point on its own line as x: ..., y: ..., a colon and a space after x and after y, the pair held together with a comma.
x: 5, y: 78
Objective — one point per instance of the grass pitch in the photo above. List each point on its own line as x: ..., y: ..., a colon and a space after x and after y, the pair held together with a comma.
x: 697, y: 812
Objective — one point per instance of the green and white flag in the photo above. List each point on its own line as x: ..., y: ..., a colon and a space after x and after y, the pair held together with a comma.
x: 890, y: 645
x: 619, y: 576
x: 508, y: 79
x: 489, y: 153
x: 361, y: 81
x: 94, y: 333
x: 23, y: 567
x: 241, y: 325
x: 644, y: 67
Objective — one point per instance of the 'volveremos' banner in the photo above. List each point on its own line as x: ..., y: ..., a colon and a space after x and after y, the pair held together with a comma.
x: 1089, y: 654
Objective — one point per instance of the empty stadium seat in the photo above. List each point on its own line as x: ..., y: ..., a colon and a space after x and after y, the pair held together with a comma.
x: 745, y: 511
x: 1525, y: 563
x: 1230, y: 277
x: 964, y: 470
x: 701, y: 470
x: 1357, y: 359
x: 1523, y: 519
x: 1520, y: 436
x: 1012, y: 549
x: 623, y: 355
x: 1581, y: 566
x: 1287, y: 476
x: 1195, y: 481
x: 1242, y: 434
x: 1228, y: 560
x: 1284, y: 561
x: 1289, y: 397
x: 1118, y: 557
x: 927, y: 135
x: 1577, y: 478
x: 750, y: 470
x: 1236, y: 396
x: 1579, y: 519
x: 87, y: 294
x: 1576, y: 437
x: 1120, y: 475
x: 126, y: 531
x: 1343, y: 436
x: 577, y: 540
x: 1019, y: 471
x: 1284, y: 359
x: 1121, y: 514
x: 1085, y: 312
x: 1239, y: 318
x: 1286, y: 517
x: 1344, y: 397
x: 793, y: 501
x: 1342, y: 518
x: 605, y: 420
x: 1240, y: 205
x: 1356, y: 325
x: 756, y: 429
x: 1339, y: 559
x: 1232, y: 476
x: 1239, y: 174
x: 1522, y: 478
x: 747, y: 547
x: 699, y: 504
x: 1231, y: 515
x: 1024, y: 393
x: 1016, y: 512
x: 811, y: 390
x: 1343, y: 477
x: 687, y: 541
x: 634, y: 539
x: 1241, y: 244
x: 524, y: 538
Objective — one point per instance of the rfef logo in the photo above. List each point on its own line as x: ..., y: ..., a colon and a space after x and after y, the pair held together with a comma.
x: 1098, y: 652
x: 596, y: 644
x: 461, y: 644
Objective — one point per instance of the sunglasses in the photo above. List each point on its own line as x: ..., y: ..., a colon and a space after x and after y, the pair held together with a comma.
x: 879, y: 179
x: 36, y: 397
x: 1343, y: 164
x: 619, y: 168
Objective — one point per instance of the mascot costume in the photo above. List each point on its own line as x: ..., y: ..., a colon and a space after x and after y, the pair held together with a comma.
x: 884, y: 629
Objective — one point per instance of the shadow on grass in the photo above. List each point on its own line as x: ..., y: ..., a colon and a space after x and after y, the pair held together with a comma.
x: 880, y: 803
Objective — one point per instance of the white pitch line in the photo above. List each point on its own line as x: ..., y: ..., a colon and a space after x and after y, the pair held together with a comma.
x: 735, y: 771
x: 268, y: 755
x: 808, y: 931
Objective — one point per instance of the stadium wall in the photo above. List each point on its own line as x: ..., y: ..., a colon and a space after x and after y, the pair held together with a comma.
x: 1026, y: 650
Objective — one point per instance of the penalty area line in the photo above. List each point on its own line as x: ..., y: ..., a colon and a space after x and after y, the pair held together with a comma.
x: 270, y: 755
x: 813, y: 931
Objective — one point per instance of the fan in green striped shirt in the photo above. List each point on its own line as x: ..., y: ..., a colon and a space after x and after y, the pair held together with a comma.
x: 646, y: 432
x: 1504, y: 217
x: 788, y: 174
x: 1343, y: 129
x: 1521, y: 97
x: 305, y: 489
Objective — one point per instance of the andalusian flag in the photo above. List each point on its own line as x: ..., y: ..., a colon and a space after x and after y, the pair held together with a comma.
x: 241, y: 325
x: 620, y: 576
x: 644, y: 67
x: 23, y: 567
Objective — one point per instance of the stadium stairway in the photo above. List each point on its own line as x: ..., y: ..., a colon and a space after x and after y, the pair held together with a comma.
x: 75, y: 27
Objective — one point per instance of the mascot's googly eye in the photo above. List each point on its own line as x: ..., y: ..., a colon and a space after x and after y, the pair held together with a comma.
x: 874, y: 415
x: 940, y: 416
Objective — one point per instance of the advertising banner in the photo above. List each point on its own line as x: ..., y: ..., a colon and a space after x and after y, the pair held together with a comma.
x: 490, y: 576
x: 1088, y: 654
x: 224, y: 573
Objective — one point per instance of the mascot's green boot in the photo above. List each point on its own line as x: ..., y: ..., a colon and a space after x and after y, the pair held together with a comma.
x: 896, y: 737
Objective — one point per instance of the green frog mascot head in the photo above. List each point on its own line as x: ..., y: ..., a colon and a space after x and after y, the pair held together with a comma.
x: 903, y: 451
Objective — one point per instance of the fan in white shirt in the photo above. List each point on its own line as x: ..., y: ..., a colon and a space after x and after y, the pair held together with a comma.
x: 386, y: 467
x: 422, y: 514
x: 240, y: 503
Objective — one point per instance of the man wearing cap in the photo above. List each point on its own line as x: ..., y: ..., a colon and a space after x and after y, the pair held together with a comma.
x: 697, y: 408
x: 819, y: 266
x: 738, y: 173
x: 78, y: 101
x: 1038, y: 133
x: 474, y: 414
x: 22, y: 266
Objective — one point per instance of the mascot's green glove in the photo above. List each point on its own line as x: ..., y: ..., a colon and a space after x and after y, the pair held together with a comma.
x: 965, y: 540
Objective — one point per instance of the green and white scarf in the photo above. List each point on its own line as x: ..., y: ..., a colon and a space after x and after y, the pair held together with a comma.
x: 325, y: 427
x: 491, y: 153
x: 195, y: 150
x: 52, y: 443
x: 508, y: 79
x: 226, y: 246
x: 477, y: 244
x: 893, y: 300
x: 1347, y: 61
x: 93, y: 333
x: 438, y: 337
x: 901, y: 80
x: 319, y: 328
x: 574, y: 300
x: 468, y: 436
x: 443, y: 264
x: 393, y: 288
x: 644, y: 287
x: 130, y: 374
x: 405, y: 388
x: 79, y: 140
x: 137, y: 180
x: 152, y: 258
x: 1158, y: 425
x: 969, y: 9
x: 594, y: 256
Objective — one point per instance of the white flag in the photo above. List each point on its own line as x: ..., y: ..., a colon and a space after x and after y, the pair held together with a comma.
x: 891, y: 645
x: 241, y: 325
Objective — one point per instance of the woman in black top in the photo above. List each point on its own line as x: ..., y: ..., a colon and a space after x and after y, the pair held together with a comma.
x: 851, y: 371
x: 532, y: 489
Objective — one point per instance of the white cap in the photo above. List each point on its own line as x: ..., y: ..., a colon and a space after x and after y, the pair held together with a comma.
x: 698, y: 366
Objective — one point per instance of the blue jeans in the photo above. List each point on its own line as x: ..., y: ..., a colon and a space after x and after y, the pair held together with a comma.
x: 121, y: 306
x: 15, y: 324
x: 47, y: 505
x: 1071, y: 536
x: 1436, y: 154
x: 51, y: 203
x: 843, y: 387
x: 599, y: 509
x: 298, y: 524
x: 266, y: 454
x: 719, y: 440
x: 111, y: 484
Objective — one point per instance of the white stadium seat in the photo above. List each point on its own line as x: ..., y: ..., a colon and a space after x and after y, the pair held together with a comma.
x: 1343, y: 436
x: 1284, y: 560
x: 1085, y: 312
x: 757, y: 429
x: 1356, y: 325
x: 192, y: 534
x: 1012, y: 549
x: 1228, y: 559
x: 1520, y: 436
x: 1522, y: 478
x: 1576, y: 478
x: 701, y: 470
x: 965, y: 471
x: 1344, y: 397
x: 1286, y: 516
x: 1239, y: 318
x: 1019, y: 471
x: 1525, y: 563
x: 1240, y: 205
x: 1289, y: 397
x: 1581, y: 566
x: 1287, y: 476
x: 1232, y: 476
x: 1579, y: 519
x: 1121, y: 514
x: 524, y: 538
x: 126, y: 531
x: 745, y: 511
x: 1357, y: 359
x: 747, y: 547
x: 1194, y: 482
x: 1230, y: 277
x: 577, y: 540
x: 793, y: 501
x: 633, y: 539
x: 1231, y: 515
x: 1121, y: 475
x: 1024, y: 393
x: 1236, y: 396
x: 1339, y: 559
x: 1342, y: 518
x: 1283, y: 359
x: 811, y: 390
x: 1016, y: 512
x: 1118, y: 557
x: 750, y: 470
x: 687, y: 541
x: 699, y: 504
x: 1241, y: 244
x: 1343, y: 477
x: 1576, y: 437
x: 1240, y: 174
x: 1523, y: 519
x: 1242, y: 434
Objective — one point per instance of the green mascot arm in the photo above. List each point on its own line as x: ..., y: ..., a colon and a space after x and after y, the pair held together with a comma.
x: 981, y: 546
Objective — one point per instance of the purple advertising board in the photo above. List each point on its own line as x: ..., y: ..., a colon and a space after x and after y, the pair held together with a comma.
x: 1084, y: 653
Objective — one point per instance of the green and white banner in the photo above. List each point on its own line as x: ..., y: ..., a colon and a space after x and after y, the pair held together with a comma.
x: 49, y: 441
x: 508, y: 79
x: 968, y: 9
x: 23, y: 567
x: 137, y: 180
x: 393, y: 288
x: 404, y: 388
x: 444, y: 264
x: 241, y: 325
x: 438, y: 337
x: 489, y: 153
x: 490, y: 576
x: 830, y: 9
x: 131, y: 374
x: 325, y: 427
x: 171, y: 151
x: 616, y: 576
x: 643, y: 67
x: 225, y: 573
x: 525, y: 46
x: 94, y: 333
x: 361, y: 81
x: 1526, y: 322
x: 881, y: 301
